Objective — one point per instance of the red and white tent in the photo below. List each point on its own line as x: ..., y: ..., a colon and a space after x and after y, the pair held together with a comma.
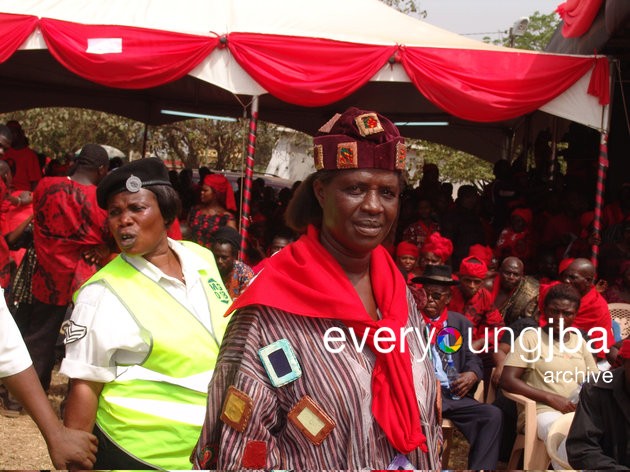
x: 305, y: 60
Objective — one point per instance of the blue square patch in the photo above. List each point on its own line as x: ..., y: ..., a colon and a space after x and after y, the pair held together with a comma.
x: 280, y: 363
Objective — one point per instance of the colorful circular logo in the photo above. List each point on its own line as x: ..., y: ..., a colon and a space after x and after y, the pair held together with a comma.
x: 449, y: 340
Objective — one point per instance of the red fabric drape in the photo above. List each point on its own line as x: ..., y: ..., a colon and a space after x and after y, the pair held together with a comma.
x: 14, y: 30
x: 307, y: 71
x: 578, y: 15
x: 490, y: 86
x: 148, y: 58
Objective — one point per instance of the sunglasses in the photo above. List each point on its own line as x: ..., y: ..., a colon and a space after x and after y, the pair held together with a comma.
x: 437, y: 296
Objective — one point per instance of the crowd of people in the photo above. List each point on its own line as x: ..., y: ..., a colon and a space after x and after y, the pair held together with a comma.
x: 182, y: 350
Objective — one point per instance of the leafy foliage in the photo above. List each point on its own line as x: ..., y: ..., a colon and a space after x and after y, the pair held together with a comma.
x: 539, y: 32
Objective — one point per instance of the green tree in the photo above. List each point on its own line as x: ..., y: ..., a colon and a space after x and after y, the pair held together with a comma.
x: 539, y: 32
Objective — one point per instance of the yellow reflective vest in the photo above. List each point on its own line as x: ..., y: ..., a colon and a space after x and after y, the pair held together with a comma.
x: 157, y: 418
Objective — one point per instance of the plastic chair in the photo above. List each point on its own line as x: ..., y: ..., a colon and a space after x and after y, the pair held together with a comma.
x: 557, y: 433
x: 527, y: 444
x: 448, y: 427
x: 620, y: 312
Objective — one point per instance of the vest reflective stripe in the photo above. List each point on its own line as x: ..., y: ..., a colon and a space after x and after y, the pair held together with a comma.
x: 153, y: 417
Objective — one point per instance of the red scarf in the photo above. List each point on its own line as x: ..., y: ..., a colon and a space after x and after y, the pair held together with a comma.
x: 593, y: 313
x: 304, y: 279
x: 435, y: 325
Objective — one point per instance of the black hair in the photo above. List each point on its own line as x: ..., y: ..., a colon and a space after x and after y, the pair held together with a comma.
x: 6, y: 132
x: 562, y: 292
x: 168, y: 201
x: 304, y: 208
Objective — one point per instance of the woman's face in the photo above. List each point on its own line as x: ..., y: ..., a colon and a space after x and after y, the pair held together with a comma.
x: 407, y: 262
x: 207, y: 194
x: 560, y: 308
x: 359, y: 208
x: 136, y: 222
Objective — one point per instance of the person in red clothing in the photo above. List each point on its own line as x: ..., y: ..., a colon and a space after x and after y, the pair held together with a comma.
x: 436, y: 250
x: 68, y: 227
x: 28, y: 172
x: 475, y: 303
x: 406, y: 257
x: 593, y: 312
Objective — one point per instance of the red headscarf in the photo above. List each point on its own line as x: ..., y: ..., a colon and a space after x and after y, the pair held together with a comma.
x: 481, y: 252
x: 473, y: 267
x: 564, y: 264
x: 525, y: 214
x: 222, y: 187
x: 439, y: 245
x: 304, y: 279
x: 407, y: 249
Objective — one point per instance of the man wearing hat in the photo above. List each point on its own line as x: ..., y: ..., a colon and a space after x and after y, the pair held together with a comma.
x: 599, y: 437
x: 67, y: 227
x: 480, y: 423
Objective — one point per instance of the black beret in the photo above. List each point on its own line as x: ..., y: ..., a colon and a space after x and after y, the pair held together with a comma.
x: 131, y: 178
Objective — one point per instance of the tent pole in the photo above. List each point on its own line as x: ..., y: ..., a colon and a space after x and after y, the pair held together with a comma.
x: 602, y: 168
x: 249, y: 173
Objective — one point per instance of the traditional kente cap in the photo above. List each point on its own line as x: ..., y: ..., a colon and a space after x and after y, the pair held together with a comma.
x: 93, y: 155
x: 473, y: 267
x: 131, y: 178
x: 436, y: 275
x: 359, y: 139
x: 405, y: 248
x: 625, y: 349
x: 439, y: 245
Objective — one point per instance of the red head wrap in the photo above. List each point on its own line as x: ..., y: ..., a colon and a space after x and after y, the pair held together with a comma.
x: 438, y: 245
x: 473, y: 267
x: 625, y: 349
x: 525, y: 214
x: 564, y: 264
x: 222, y: 187
x: 481, y: 252
x: 407, y: 249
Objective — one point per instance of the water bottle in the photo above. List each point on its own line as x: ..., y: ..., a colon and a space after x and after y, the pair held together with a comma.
x: 452, y: 375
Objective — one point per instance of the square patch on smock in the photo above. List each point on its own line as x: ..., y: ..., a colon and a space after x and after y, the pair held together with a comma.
x: 311, y: 420
x: 255, y: 455
x: 237, y: 409
x: 280, y: 363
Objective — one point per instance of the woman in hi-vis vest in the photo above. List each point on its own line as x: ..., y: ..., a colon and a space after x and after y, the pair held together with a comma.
x: 145, y: 331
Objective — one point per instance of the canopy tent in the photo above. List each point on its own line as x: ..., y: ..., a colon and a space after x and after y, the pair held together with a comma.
x: 305, y: 60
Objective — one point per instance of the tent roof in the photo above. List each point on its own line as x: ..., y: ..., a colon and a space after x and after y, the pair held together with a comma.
x: 292, y: 50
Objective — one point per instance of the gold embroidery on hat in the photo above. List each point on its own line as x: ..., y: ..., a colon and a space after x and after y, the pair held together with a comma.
x: 401, y: 156
x: 318, y: 151
x: 347, y: 155
x: 368, y: 123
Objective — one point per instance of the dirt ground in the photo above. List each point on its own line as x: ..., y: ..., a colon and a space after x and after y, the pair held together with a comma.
x: 23, y: 448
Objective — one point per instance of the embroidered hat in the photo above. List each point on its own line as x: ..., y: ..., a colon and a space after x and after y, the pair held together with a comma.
x: 473, y: 267
x: 359, y: 139
x: 93, y: 155
x: 436, y: 275
x: 131, y: 178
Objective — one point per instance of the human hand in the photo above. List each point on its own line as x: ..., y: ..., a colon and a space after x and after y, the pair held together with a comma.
x: 25, y: 197
x: 72, y: 449
x: 601, y: 285
x: 558, y: 402
x: 465, y: 381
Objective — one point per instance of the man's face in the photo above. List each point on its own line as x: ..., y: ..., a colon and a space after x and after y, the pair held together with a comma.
x: 510, y: 274
x: 438, y: 296
x: 223, y: 254
x: 579, y: 277
x: 469, y: 285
